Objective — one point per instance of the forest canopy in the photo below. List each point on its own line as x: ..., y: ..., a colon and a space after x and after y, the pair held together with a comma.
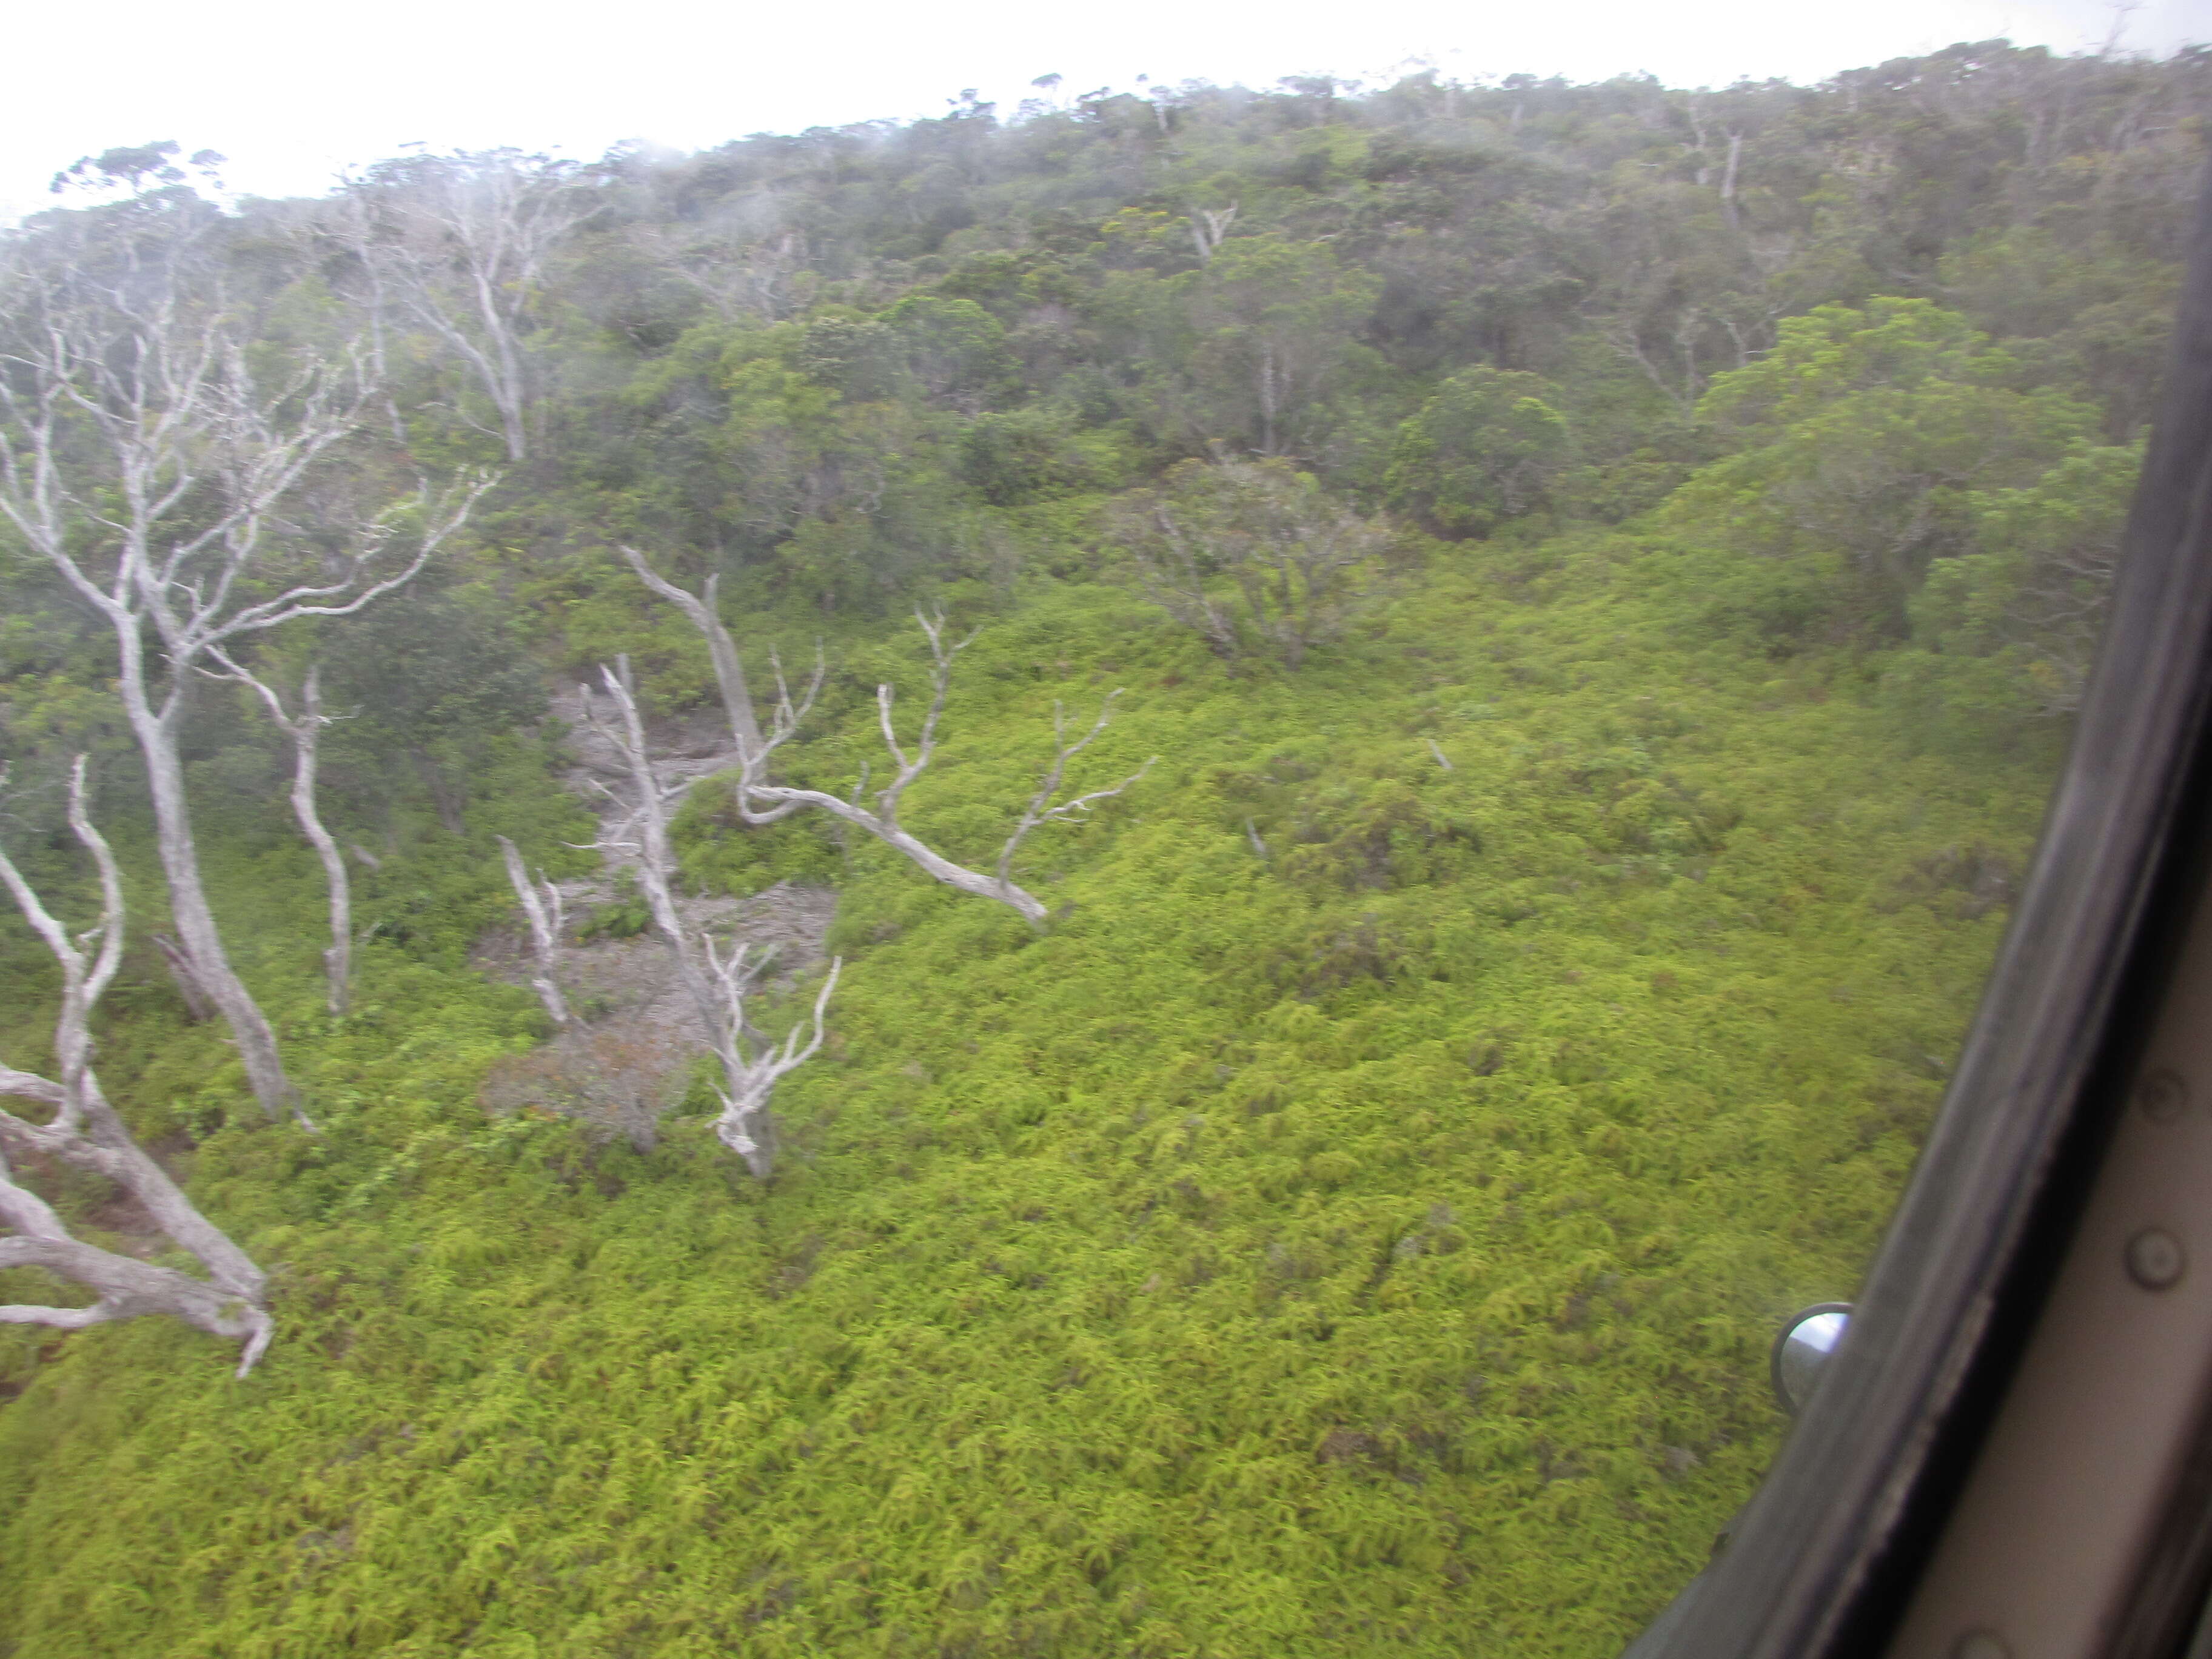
x: 1489, y: 660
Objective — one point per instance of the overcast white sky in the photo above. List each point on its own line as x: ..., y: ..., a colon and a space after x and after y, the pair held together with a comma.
x: 293, y: 92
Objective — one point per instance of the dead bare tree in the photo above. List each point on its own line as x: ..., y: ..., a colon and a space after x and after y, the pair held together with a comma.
x: 1207, y: 236
x: 146, y: 458
x: 1693, y: 108
x: 1175, y: 567
x: 717, y: 985
x: 761, y: 801
x: 749, y: 1078
x: 541, y: 906
x: 753, y: 268
x: 306, y: 731
x: 1623, y: 335
x: 1727, y: 180
x: 462, y: 241
x: 729, y: 667
x: 86, y: 1132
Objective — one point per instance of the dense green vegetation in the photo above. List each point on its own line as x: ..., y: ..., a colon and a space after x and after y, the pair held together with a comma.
x: 1357, y: 1222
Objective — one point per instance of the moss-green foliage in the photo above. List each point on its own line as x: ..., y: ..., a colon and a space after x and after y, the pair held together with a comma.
x: 1370, y: 1249
x: 1483, y: 450
x: 1356, y: 1223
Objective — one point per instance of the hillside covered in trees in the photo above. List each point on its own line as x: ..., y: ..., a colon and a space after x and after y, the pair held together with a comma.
x: 1489, y: 658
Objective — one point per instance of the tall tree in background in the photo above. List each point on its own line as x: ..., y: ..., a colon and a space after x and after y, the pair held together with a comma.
x: 150, y: 459
x: 1276, y: 321
x: 460, y: 242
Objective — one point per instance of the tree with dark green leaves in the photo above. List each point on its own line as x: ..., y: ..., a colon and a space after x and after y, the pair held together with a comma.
x: 1484, y: 450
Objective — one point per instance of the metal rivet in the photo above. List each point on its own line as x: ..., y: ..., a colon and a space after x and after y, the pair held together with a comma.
x: 2154, y: 1259
x: 1980, y: 1644
x: 2163, y: 1096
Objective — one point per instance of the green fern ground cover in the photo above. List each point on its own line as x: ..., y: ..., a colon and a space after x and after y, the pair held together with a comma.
x: 1372, y: 1248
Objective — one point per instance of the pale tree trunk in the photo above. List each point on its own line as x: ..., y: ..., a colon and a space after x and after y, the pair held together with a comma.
x: 729, y: 667
x: 306, y: 731
x: 543, y: 911
x: 1270, y: 398
x: 1728, y: 180
x: 86, y: 1132
x: 717, y: 984
x: 208, y: 961
x: 141, y: 458
x: 337, y: 960
x: 509, y: 392
x: 199, y: 1007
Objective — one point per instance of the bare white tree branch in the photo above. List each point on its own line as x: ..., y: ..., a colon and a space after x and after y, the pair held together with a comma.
x: 716, y: 984
x: 87, y: 1132
x: 760, y: 801
x: 146, y: 461
x: 542, y: 910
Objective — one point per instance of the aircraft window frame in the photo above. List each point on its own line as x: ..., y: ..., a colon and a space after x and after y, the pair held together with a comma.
x: 1824, y: 1559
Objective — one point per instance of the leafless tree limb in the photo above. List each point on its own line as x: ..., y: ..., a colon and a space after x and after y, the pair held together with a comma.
x: 86, y: 1131
x: 541, y: 907
x: 143, y: 457
x: 306, y: 731
x: 883, y: 822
